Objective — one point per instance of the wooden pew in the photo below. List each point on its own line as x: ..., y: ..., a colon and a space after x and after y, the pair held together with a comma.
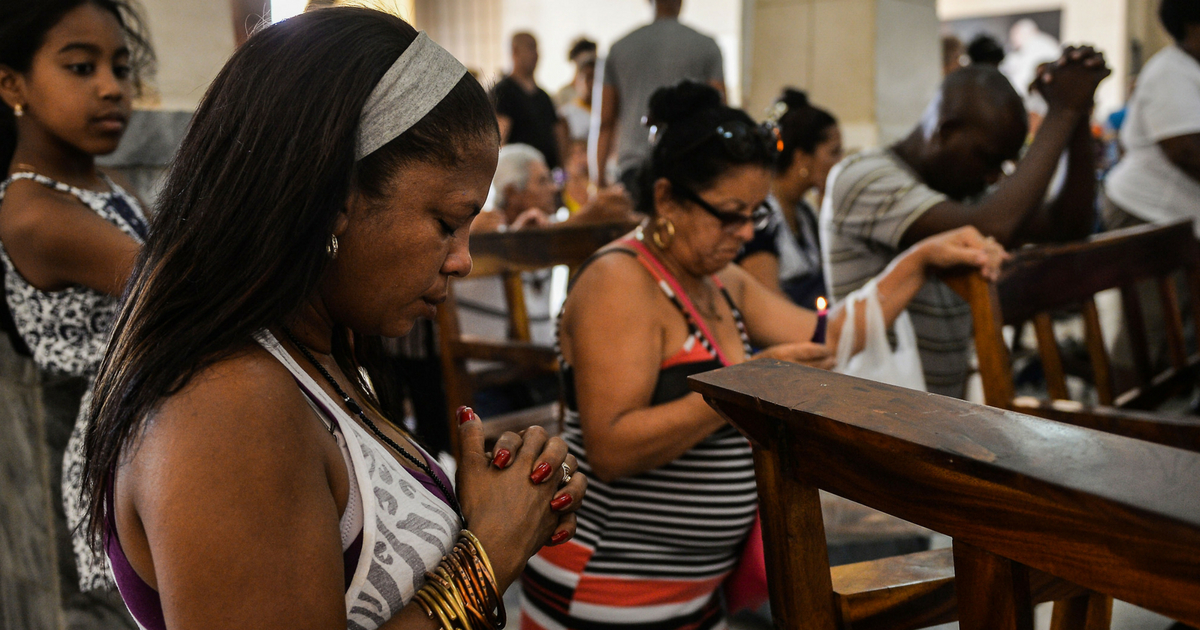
x: 508, y: 255
x: 1032, y: 504
x: 1042, y: 281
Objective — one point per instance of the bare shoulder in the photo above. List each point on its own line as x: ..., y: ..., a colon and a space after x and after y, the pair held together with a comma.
x: 242, y: 415
x: 30, y: 209
x: 248, y: 393
x: 615, y: 269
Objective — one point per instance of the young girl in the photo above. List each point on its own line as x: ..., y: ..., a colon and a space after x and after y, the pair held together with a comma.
x: 68, y: 234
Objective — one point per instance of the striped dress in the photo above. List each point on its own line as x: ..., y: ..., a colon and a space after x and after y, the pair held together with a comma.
x: 651, y: 549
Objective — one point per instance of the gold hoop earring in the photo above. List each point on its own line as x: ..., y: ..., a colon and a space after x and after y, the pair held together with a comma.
x: 18, y: 110
x: 662, y: 224
x: 331, y: 248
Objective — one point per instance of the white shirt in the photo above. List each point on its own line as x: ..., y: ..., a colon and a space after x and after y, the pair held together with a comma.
x: 1166, y: 104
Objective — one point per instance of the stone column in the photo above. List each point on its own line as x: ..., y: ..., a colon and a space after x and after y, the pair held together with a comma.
x: 874, y: 64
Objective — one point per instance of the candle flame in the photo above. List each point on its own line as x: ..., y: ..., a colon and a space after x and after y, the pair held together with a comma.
x: 821, y: 304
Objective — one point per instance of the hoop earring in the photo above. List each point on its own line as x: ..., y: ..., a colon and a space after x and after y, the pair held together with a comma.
x: 662, y: 224
x: 331, y: 248
x: 18, y: 110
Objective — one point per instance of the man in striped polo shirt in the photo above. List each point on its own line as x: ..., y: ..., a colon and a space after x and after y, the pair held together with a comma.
x: 880, y: 202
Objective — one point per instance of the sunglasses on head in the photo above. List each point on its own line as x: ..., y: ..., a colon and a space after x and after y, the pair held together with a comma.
x: 742, y: 141
x: 730, y: 221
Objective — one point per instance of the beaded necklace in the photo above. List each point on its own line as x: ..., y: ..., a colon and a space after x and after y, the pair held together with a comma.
x: 355, y: 409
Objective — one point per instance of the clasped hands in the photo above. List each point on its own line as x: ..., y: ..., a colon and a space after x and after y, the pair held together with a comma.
x: 1071, y: 81
x: 513, y: 497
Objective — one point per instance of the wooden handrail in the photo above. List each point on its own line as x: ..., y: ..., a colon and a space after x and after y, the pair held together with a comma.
x: 1111, y: 514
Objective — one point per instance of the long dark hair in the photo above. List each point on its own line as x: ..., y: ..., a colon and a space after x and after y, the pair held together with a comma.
x: 803, y: 127
x: 23, y: 28
x: 684, y: 115
x: 238, y: 243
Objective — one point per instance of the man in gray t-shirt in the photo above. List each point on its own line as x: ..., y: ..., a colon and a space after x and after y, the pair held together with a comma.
x: 659, y: 54
x: 948, y: 173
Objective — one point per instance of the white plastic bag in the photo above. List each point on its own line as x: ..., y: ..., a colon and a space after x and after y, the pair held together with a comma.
x: 877, y: 361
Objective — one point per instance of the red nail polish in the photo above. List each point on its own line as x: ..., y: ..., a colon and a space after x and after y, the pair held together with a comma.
x: 560, y: 502
x: 560, y: 536
x: 540, y: 473
x: 464, y: 414
x: 501, y: 459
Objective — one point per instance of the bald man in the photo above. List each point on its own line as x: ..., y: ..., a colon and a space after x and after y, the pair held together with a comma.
x: 882, y: 201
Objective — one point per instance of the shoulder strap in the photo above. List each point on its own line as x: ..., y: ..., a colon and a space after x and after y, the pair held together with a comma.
x: 78, y: 193
x: 675, y: 291
x: 307, y: 385
x: 117, y: 199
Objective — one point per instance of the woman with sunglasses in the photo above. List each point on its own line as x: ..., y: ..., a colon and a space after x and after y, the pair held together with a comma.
x: 673, y: 494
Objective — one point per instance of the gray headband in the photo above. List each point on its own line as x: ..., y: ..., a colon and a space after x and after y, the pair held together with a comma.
x: 410, y: 89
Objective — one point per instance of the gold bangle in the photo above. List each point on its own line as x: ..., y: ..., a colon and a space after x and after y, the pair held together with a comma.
x: 455, y: 612
x: 431, y: 608
x: 481, y: 572
x: 466, y: 533
x: 461, y: 592
x: 452, y: 590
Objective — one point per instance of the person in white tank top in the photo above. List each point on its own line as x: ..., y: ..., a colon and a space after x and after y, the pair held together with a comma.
x: 238, y: 472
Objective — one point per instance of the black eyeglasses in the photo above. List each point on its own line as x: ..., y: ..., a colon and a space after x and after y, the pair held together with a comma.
x: 730, y: 221
x: 742, y: 141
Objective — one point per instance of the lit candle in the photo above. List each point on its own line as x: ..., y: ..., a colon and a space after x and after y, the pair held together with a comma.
x: 822, y: 315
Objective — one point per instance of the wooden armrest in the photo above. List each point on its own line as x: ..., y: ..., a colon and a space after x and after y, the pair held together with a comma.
x: 1178, y: 431
x: 521, y: 353
x: 915, y: 591
x: 545, y: 416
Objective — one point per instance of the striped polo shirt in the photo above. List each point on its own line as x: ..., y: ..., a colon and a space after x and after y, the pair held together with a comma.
x: 871, y: 199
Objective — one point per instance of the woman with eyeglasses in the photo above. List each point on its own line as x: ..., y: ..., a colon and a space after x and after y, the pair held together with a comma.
x: 673, y: 494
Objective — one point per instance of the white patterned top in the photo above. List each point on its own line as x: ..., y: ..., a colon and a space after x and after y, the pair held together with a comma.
x: 67, y: 330
x: 413, y: 529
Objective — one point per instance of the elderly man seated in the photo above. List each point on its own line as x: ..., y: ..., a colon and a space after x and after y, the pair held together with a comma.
x: 524, y: 195
x: 880, y: 202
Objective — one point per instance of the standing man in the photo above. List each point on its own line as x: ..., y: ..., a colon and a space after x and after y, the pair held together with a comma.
x: 525, y: 112
x: 659, y: 54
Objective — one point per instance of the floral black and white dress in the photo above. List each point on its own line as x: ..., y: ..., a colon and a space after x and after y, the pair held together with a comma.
x: 67, y: 332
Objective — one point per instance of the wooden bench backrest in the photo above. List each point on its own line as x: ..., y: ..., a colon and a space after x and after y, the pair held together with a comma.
x: 1043, y: 281
x: 1019, y: 494
x: 507, y: 255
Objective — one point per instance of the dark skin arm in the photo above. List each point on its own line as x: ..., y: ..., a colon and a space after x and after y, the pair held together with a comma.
x: 55, y: 241
x: 1015, y: 213
x: 1071, y: 215
x: 1184, y: 152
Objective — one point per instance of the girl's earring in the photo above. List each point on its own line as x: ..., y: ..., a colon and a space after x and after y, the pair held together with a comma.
x: 803, y: 172
x: 18, y: 110
x: 331, y: 248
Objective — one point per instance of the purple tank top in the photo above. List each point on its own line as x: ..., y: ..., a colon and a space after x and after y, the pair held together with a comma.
x: 143, y: 601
